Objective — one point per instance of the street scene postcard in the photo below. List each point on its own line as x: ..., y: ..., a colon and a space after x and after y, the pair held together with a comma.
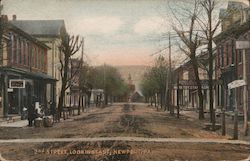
x: 124, y: 80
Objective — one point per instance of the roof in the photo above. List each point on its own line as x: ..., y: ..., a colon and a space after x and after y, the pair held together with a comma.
x: 49, y: 28
x: 199, y: 56
x: 26, y: 35
x: 231, y: 8
x: 236, y: 5
x: 234, y: 31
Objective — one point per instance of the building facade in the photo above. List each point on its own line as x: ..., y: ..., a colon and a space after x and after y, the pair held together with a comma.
x: 23, y: 71
x: 233, y: 63
x: 188, y: 90
x: 48, y: 32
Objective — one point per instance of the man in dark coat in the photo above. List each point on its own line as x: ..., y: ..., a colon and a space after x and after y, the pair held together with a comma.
x: 31, y: 110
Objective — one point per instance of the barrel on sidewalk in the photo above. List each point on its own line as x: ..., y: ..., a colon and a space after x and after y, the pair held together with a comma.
x: 46, y: 121
x: 38, y: 122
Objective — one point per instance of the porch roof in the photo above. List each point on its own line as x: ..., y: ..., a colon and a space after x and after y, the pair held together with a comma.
x: 28, y: 74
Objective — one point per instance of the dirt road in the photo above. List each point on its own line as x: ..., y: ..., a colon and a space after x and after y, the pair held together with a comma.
x: 120, y: 121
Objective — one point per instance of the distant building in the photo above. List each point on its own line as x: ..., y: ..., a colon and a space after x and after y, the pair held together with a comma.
x: 137, y: 97
x: 76, y: 94
x: 188, y: 89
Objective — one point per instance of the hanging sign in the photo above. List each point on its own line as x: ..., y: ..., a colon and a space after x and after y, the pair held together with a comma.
x: 16, y: 83
x: 236, y: 83
x: 242, y: 44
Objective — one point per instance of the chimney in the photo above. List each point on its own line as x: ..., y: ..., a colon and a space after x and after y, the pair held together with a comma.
x: 14, y: 17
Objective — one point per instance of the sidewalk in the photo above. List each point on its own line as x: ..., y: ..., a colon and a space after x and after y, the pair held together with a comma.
x: 193, y: 116
x: 128, y: 139
x: 24, y: 123
x: 19, y: 123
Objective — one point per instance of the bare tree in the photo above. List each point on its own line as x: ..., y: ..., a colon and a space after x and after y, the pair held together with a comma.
x: 208, y: 27
x: 191, y: 41
x: 69, y: 46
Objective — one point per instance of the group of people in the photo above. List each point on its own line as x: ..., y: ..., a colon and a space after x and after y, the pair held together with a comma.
x: 35, y: 111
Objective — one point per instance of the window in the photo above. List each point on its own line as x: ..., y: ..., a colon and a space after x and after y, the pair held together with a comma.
x: 16, y: 52
x: 13, y: 40
x: 222, y: 56
x: 28, y: 54
x: 39, y: 59
x: 227, y: 48
x: 36, y: 57
x: 33, y: 56
x: 240, y: 96
x: 42, y: 60
x: 239, y: 56
x: 24, y: 52
x: 218, y: 58
x: 20, y: 51
x: 233, y: 52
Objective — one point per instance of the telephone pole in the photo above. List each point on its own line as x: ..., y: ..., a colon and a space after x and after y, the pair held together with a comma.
x: 1, y: 33
x: 171, y: 108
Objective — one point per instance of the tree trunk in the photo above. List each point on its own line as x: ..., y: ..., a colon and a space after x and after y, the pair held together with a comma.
x: 210, y: 66
x: 198, y: 82
x: 151, y: 101
x: 63, y: 87
x: 79, y: 102
x: 106, y: 99
x: 161, y: 101
x: 210, y: 84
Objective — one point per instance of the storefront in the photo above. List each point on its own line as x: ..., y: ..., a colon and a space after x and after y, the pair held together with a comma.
x: 19, y: 88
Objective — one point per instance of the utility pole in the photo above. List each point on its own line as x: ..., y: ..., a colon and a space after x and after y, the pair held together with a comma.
x: 104, y: 85
x: 80, y: 95
x: 1, y: 33
x: 178, y: 90
x: 170, y: 77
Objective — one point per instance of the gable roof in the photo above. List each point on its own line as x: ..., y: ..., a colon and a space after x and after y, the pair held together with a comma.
x: 232, y: 7
x: 10, y: 26
x: 43, y: 28
x: 233, y: 32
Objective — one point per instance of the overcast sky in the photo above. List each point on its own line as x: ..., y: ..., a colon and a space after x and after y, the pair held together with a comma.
x: 117, y: 32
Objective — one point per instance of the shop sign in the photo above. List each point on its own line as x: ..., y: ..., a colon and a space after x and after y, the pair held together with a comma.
x: 10, y: 89
x: 17, y: 83
x: 236, y: 83
x: 242, y: 44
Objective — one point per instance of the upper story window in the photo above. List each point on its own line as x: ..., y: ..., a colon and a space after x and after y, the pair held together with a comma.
x: 239, y: 56
x: 227, y: 53
x: 20, y: 51
x: 28, y: 53
x: 222, y: 56
x: 233, y: 52
x: 185, y: 75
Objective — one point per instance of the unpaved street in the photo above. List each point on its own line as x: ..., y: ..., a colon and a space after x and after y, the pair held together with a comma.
x: 138, y: 120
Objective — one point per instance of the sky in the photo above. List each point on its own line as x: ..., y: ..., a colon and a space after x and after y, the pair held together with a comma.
x: 116, y: 32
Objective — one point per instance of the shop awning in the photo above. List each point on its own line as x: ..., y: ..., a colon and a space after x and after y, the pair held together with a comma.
x: 28, y: 74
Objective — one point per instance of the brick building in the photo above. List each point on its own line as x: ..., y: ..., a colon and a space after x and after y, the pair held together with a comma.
x: 232, y: 63
x: 23, y: 70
